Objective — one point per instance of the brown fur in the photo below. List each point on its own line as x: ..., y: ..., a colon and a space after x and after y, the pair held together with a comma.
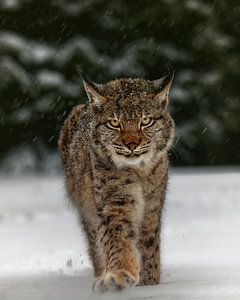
x: 116, y: 177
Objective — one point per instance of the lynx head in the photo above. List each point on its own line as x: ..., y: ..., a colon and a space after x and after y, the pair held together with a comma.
x: 130, y: 120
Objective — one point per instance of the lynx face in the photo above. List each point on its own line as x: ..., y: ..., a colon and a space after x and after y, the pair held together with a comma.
x: 130, y: 120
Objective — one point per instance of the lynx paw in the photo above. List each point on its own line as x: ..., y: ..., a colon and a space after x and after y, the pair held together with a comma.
x: 115, y: 280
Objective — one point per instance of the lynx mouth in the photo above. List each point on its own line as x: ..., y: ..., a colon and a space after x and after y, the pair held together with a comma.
x: 131, y: 155
x: 132, y: 159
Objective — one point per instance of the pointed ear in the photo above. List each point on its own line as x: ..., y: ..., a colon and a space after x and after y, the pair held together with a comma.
x: 162, y: 87
x: 93, y: 92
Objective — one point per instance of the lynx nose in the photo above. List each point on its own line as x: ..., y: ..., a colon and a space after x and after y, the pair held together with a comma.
x: 131, y: 141
x: 132, y: 146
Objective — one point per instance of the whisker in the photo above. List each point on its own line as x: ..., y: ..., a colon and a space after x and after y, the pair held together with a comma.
x: 174, y: 152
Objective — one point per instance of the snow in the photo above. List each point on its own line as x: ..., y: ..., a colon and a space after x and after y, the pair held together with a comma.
x: 43, y: 251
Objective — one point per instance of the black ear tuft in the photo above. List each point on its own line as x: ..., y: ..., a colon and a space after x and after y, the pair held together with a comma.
x: 164, y: 85
x: 83, y: 76
x: 161, y: 83
x: 80, y: 71
x: 94, y: 90
x: 87, y: 81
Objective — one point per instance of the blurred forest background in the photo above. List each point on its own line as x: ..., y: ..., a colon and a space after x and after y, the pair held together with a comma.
x: 42, y: 42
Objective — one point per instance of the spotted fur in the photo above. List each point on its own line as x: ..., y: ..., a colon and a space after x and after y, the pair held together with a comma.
x: 116, y: 177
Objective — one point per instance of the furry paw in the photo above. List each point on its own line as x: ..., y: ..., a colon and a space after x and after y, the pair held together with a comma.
x: 115, y: 280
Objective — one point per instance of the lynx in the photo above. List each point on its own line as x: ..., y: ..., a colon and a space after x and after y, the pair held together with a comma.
x: 114, y: 152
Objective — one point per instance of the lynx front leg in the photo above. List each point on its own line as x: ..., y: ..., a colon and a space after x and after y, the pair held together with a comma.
x: 120, y: 207
x: 93, y: 250
x: 149, y: 246
x: 118, y: 245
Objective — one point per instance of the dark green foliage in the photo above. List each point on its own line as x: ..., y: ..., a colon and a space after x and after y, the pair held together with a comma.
x: 42, y: 42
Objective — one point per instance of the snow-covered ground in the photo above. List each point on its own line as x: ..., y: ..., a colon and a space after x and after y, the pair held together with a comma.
x: 43, y: 250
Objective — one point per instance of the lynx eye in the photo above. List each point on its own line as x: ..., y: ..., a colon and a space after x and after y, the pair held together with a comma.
x: 146, y: 121
x: 114, y: 123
